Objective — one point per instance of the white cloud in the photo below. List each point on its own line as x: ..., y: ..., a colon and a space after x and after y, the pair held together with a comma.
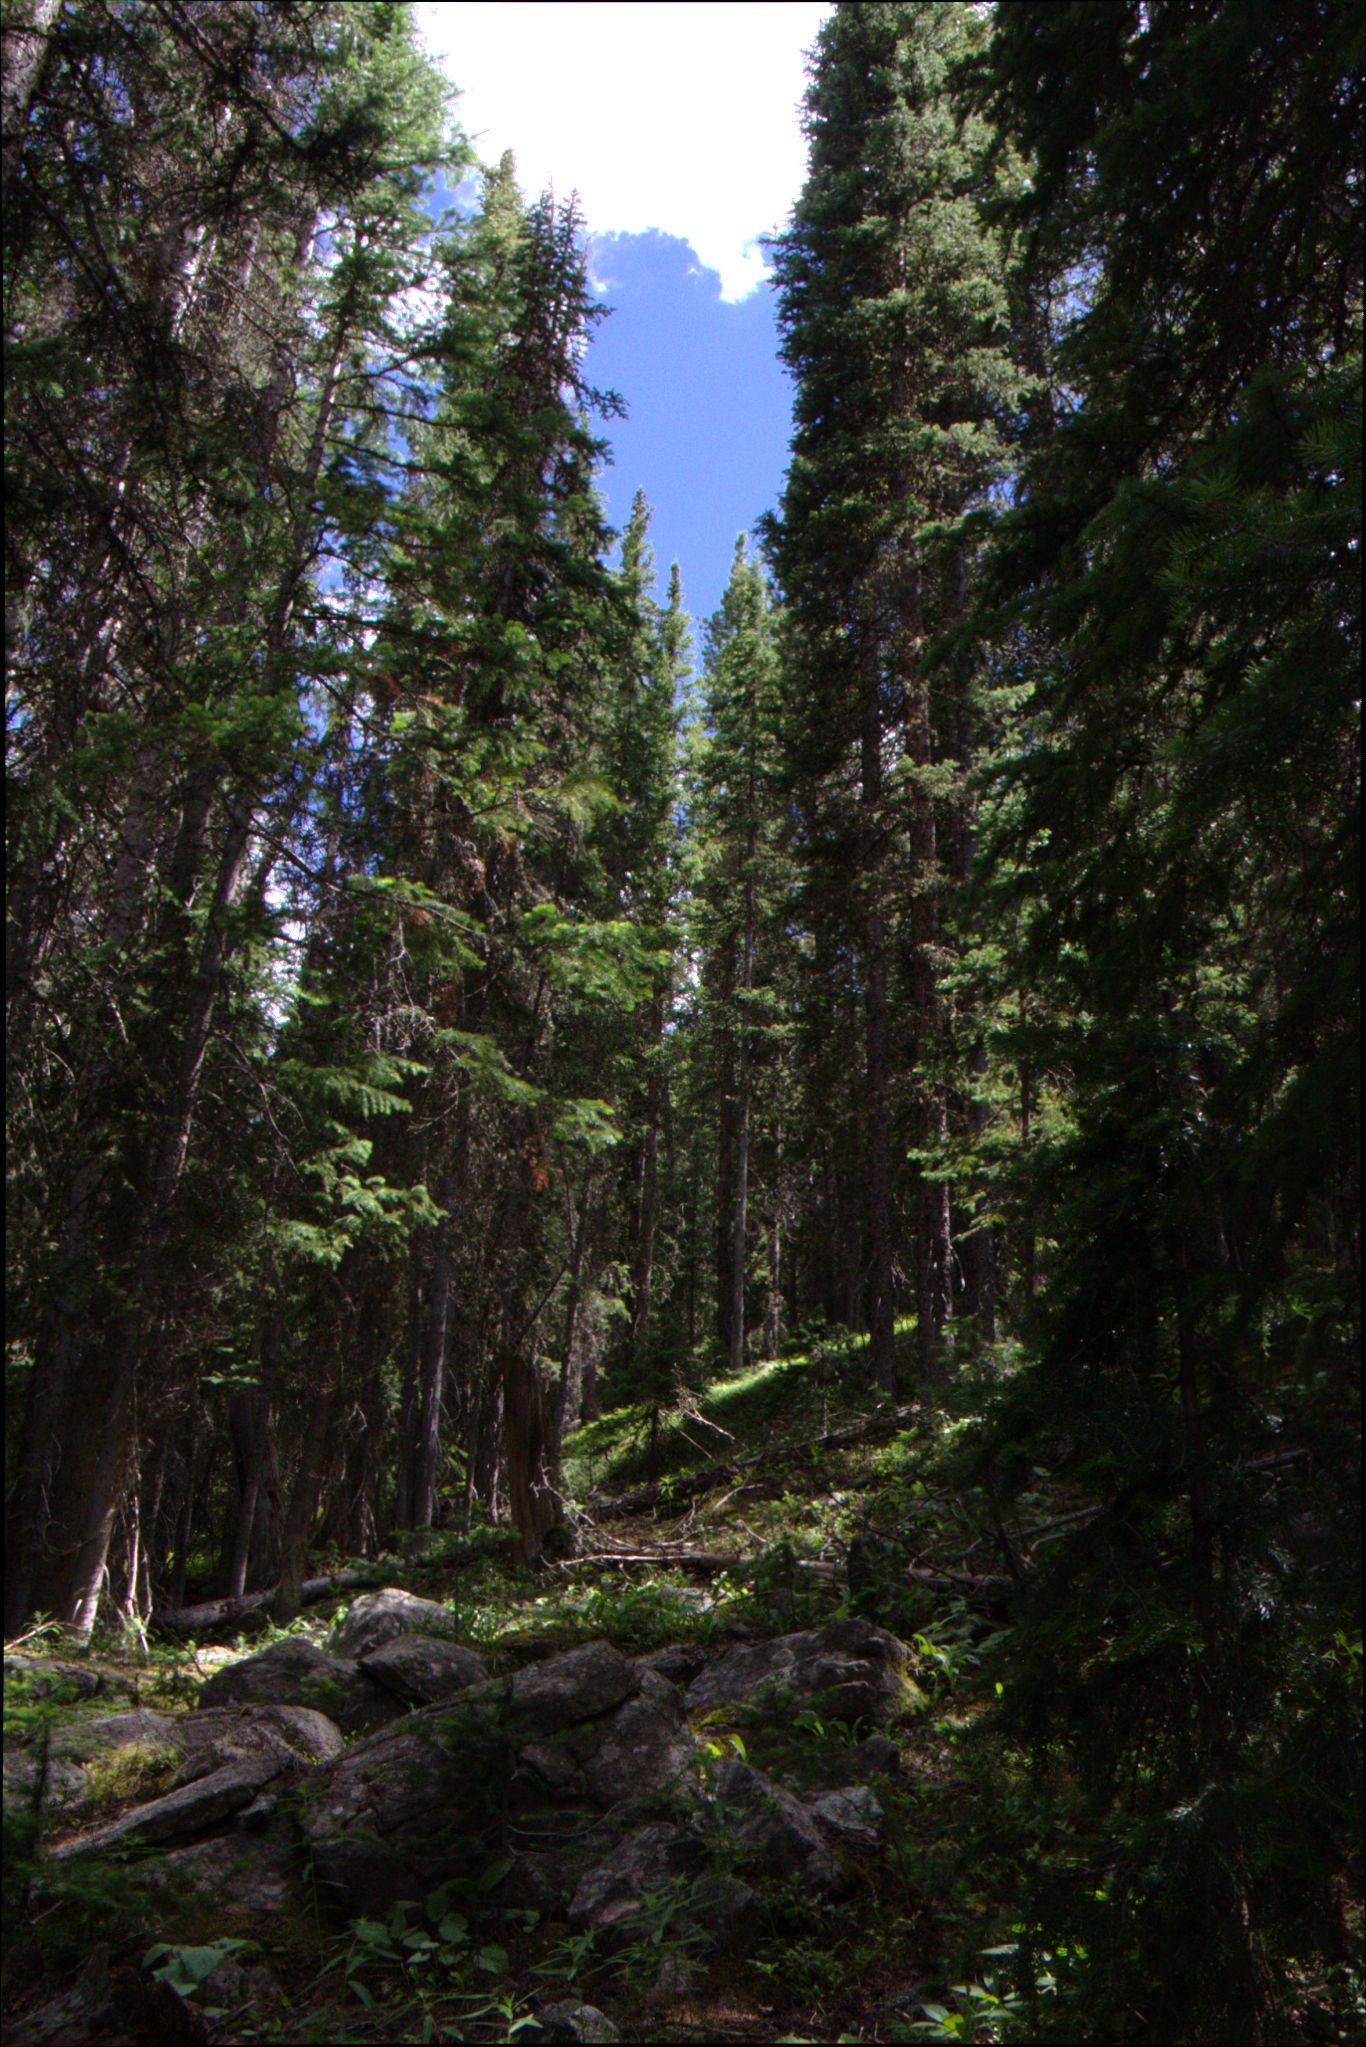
x: 680, y: 115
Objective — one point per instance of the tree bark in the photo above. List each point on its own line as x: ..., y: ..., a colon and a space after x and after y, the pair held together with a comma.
x: 569, y: 1393
x: 739, y: 1224
x: 725, y: 1149
x: 308, y: 1477
x: 933, y: 1250
x: 426, y: 1449
x: 876, y: 1067
x: 643, y: 1262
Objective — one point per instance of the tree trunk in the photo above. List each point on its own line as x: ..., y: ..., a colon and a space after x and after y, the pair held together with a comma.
x: 877, y: 1059
x: 426, y: 1448
x: 569, y: 1394
x: 725, y: 1150
x: 25, y: 45
x: 249, y: 1432
x: 305, y: 1493
x: 933, y: 1249
x: 642, y: 1272
x: 739, y: 1224
x: 532, y: 1495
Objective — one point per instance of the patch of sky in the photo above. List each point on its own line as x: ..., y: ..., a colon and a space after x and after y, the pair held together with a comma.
x: 709, y: 407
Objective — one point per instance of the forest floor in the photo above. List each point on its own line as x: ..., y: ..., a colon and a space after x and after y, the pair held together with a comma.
x: 760, y: 1547
x: 760, y: 1550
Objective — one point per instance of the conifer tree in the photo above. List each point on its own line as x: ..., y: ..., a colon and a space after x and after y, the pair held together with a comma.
x: 892, y: 311
x: 1174, y: 852
x: 737, y: 887
x: 169, y: 510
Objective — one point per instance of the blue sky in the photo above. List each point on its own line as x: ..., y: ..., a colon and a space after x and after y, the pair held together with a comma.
x: 676, y: 121
x: 707, y: 430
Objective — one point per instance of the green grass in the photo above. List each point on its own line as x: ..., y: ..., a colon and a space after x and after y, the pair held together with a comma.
x: 779, y: 1400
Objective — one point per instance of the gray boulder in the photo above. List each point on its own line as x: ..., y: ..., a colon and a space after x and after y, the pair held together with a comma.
x: 774, y: 1830
x: 647, y: 1747
x: 138, y: 1755
x: 645, y: 1861
x: 45, y: 1675
x: 413, y: 1803
x: 610, y: 1897
x: 848, y: 1670
x: 852, y: 1818
x: 92, y: 1762
x: 292, y: 1672
x: 248, y: 1886
x: 121, y: 2004
x: 637, y: 1752
x: 874, y: 1756
x: 678, y: 1661
x: 423, y: 1670
x: 180, y: 1814
x: 570, y: 2020
x: 577, y: 1685
x: 379, y: 1617
x: 293, y: 1735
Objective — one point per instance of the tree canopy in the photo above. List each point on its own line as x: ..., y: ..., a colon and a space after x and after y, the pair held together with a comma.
x: 437, y: 1014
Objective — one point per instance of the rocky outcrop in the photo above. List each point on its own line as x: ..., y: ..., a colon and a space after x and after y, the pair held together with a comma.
x: 423, y: 1670
x: 120, y: 2004
x: 48, y: 1677
x: 93, y: 1764
x: 292, y: 1672
x: 852, y: 1818
x: 379, y: 1617
x: 628, y: 1756
x: 578, y: 1774
x: 849, y: 1670
x: 247, y: 1882
x: 874, y: 1756
x: 771, y: 1828
x: 181, y: 1814
x: 570, y: 2020
x: 610, y: 1899
x: 404, y: 1806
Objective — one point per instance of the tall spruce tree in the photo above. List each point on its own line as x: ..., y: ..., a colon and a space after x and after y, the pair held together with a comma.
x: 1174, y: 847
x: 737, y: 822
x: 893, y: 312
x: 178, y: 414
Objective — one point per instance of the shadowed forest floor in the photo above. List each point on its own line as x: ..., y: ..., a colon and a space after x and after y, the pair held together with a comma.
x: 927, y: 1942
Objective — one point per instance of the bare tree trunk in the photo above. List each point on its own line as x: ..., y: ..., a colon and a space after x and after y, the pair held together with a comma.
x: 642, y: 1274
x: 569, y: 1394
x: 1029, y: 1246
x: 933, y: 1242
x: 307, y: 1488
x: 773, y: 1319
x: 426, y: 1454
x: 740, y: 1222
x: 876, y: 1071
x: 185, y: 1524
x: 24, y: 42
x: 249, y: 1432
x: 532, y: 1495
x: 725, y: 1151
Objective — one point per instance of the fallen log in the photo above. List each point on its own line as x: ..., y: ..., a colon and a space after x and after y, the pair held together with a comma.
x: 217, y: 1613
x: 991, y: 1592
x: 704, y: 1560
x: 669, y: 1491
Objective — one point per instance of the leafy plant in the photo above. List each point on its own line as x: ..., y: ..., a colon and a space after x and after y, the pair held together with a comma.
x: 188, y: 1969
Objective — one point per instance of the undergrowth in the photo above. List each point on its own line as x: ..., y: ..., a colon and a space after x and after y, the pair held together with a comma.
x: 983, y: 1919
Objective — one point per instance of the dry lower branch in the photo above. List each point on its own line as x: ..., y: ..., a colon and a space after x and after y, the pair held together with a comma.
x: 670, y: 1491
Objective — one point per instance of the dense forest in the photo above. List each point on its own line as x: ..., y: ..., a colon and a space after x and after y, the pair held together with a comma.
x: 443, y: 1017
